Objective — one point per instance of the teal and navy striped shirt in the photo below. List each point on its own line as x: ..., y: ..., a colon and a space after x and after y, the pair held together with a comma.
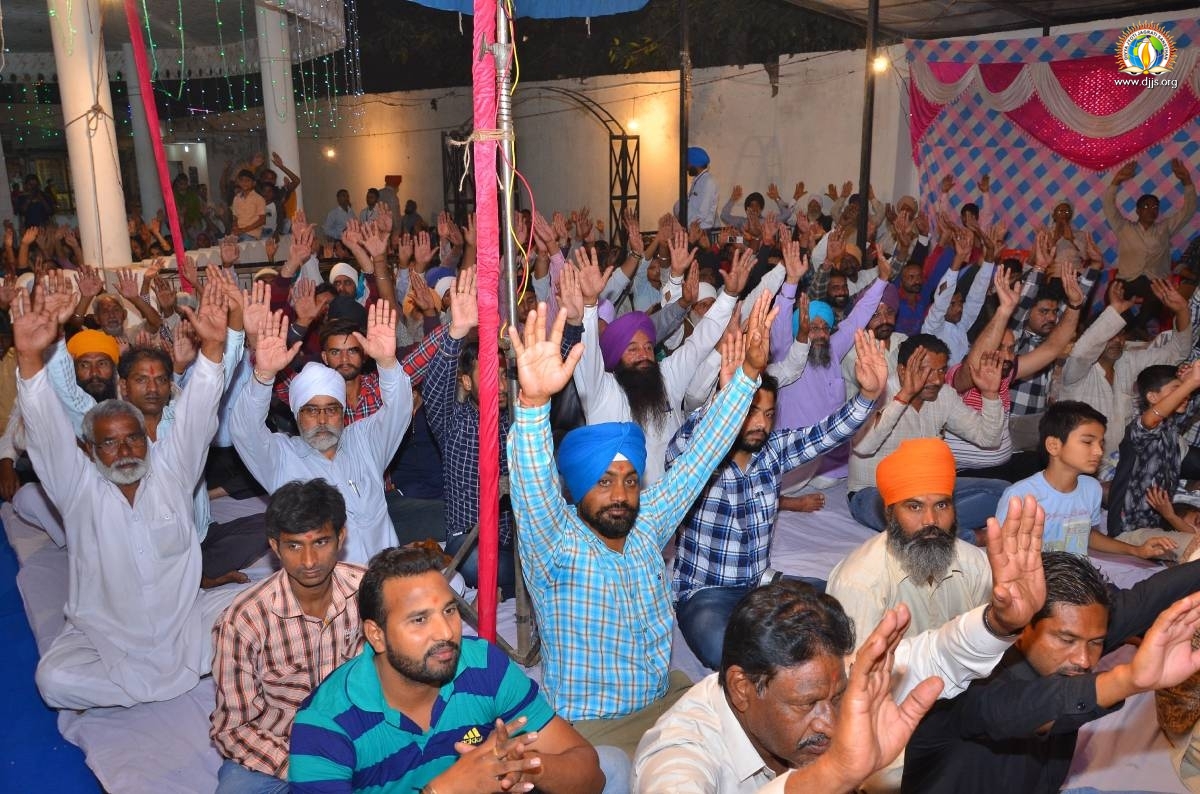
x: 347, y: 738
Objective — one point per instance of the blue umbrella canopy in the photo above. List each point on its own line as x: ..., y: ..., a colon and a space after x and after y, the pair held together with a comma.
x: 547, y: 9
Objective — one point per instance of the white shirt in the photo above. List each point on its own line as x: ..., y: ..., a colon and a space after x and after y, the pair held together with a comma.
x: 356, y: 470
x: 698, y: 747
x: 604, y: 400
x: 134, y: 570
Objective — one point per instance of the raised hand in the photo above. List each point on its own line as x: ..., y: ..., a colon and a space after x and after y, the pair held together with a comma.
x: 773, y: 192
x: 383, y: 220
x: 464, y: 308
x: 211, y: 320
x: 1014, y: 552
x: 739, y: 271
x: 541, y: 370
x: 986, y: 373
x: 374, y: 240
x: 570, y: 297
x: 1180, y: 171
x: 543, y: 234
x: 1071, y: 288
x: 34, y: 329
x: 584, y: 225
x: 947, y: 183
x: 915, y: 375
x: 230, y: 252
x: 1125, y: 172
x: 634, y: 230
x: 883, y: 264
x: 835, y: 248
x: 847, y: 188
x: 303, y: 244
x: 770, y: 228
x: 90, y: 282
x: 591, y: 279
x: 380, y: 340
x: 352, y: 236
x: 404, y: 250
x: 561, y: 233
x: 60, y: 298
x: 469, y: 232
x: 1166, y: 656
x: 795, y: 264
x: 694, y: 233
x: 870, y: 367
x: 8, y: 291
x: 733, y: 353
x: 188, y: 272
x: 273, y: 353
x: 964, y: 241
x: 422, y: 251
x: 256, y: 307
x: 680, y: 258
x: 183, y: 348
x: 798, y: 192
x: 758, y: 335
x: 127, y: 284
x: 690, y: 293
x: 1158, y: 498
x: 423, y: 297
x: 736, y: 193
x: 1168, y: 295
x: 802, y: 306
x: 1007, y: 293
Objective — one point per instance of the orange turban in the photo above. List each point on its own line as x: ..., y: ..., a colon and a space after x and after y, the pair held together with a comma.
x: 919, y: 466
x: 89, y: 341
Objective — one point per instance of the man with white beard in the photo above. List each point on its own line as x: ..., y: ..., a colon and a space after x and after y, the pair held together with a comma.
x: 137, y: 627
x: 352, y: 458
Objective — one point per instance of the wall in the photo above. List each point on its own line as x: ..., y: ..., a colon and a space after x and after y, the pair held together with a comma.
x: 809, y: 131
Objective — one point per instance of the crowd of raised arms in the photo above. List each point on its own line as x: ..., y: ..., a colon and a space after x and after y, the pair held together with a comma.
x: 983, y: 401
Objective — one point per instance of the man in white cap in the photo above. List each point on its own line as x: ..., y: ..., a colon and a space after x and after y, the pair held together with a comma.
x: 344, y: 279
x: 352, y: 458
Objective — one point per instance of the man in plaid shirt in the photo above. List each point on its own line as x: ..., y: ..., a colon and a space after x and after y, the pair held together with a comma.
x: 595, y: 570
x: 279, y: 639
x: 725, y: 543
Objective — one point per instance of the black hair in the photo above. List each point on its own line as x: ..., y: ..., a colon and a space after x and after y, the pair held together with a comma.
x: 928, y: 341
x: 1071, y: 579
x: 468, y: 355
x: 245, y: 172
x: 374, y: 190
x: 769, y: 384
x: 298, y: 507
x: 1052, y: 291
x: 141, y: 353
x: 783, y: 625
x: 754, y: 197
x: 337, y: 327
x: 1061, y: 419
x: 1153, y: 378
x: 389, y: 564
x: 1146, y: 197
x: 970, y: 207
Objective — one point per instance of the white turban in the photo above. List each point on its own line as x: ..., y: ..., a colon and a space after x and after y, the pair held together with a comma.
x: 315, y: 380
x: 706, y: 291
x: 443, y: 286
x: 342, y: 269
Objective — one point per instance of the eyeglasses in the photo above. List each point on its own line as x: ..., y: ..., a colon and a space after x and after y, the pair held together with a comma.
x: 324, y: 411
x: 133, y: 441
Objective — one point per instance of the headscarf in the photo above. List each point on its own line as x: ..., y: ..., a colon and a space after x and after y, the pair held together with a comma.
x: 586, y: 452
x: 315, y: 380
x: 90, y: 341
x: 617, y: 335
x: 919, y: 466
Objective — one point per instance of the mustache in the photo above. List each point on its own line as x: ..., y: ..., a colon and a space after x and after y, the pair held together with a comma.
x: 816, y: 738
x: 886, y: 329
x: 442, y: 646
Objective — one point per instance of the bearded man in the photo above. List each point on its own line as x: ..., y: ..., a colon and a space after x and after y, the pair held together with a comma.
x: 918, y: 560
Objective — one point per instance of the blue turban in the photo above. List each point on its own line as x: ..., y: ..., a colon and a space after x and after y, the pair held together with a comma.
x: 815, y: 309
x: 696, y: 157
x: 586, y: 453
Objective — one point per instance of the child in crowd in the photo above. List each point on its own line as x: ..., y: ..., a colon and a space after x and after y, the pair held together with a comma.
x: 1071, y: 436
x: 1150, y: 456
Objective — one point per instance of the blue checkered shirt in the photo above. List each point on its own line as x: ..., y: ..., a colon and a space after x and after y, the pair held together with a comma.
x: 605, y: 617
x: 455, y: 425
x: 726, y: 538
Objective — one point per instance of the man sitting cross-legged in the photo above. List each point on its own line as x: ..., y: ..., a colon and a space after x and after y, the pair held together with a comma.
x: 594, y: 564
x: 136, y: 626
x: 280, y: 638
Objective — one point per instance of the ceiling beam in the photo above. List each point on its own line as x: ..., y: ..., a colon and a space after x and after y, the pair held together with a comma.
x: 846, y: 16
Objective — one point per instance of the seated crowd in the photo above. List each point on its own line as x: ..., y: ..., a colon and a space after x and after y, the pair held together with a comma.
x: 982, y: 405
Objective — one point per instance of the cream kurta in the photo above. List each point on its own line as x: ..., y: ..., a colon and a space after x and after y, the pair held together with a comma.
x: 134, y: 595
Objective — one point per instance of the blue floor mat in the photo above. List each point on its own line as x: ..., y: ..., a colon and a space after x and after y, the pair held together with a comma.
x: 35, y: 757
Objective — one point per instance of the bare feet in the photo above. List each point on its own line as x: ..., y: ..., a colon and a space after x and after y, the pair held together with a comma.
x: 233, y: 577
x: 808, y: 503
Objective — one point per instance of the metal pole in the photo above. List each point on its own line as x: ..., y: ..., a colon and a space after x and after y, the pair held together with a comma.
x: 685, y: 101
x: 504, y: 123
x: 868, y: 124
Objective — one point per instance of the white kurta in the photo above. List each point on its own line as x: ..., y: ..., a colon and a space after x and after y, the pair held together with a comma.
x: 367, y: 446
x: 134, y: 570
x: 604, y: 400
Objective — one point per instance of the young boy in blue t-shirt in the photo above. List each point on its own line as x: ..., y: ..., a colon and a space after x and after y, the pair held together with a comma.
x: 1072, y: 439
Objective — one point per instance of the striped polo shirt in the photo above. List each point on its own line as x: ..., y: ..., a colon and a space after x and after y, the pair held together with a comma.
x: 346, y: 733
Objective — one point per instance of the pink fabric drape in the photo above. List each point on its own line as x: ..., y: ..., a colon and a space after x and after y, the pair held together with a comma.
x: 160, y: 154
x: 487, y: 258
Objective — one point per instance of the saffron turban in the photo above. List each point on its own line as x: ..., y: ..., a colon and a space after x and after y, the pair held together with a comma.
x: 854, y: 251
x: 89, y: 341
x: 586, y: 452
x: 619, y: 333
x: 315, y: 380
x: 919, y: 466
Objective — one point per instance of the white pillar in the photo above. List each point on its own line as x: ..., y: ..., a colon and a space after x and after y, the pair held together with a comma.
x: 91, y: 136
x: 6, y: 207
x: 279, y: 106
x: 143, y: 147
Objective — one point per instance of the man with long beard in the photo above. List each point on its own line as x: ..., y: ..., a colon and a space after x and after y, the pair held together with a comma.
x: 918, y: 560
x: 353, y: 457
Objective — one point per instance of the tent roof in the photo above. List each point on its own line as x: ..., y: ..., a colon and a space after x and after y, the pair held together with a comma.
x: 934, y: 19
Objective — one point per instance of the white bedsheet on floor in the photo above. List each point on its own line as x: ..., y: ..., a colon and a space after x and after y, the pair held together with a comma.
x: 164, y: 747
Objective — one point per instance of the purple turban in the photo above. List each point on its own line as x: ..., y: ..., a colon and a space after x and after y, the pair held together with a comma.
x: 891, y: 297
x: 619, y: 333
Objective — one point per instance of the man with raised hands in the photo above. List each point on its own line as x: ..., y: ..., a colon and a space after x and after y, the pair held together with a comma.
x: 136, y: 623
x: 352, y: 458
